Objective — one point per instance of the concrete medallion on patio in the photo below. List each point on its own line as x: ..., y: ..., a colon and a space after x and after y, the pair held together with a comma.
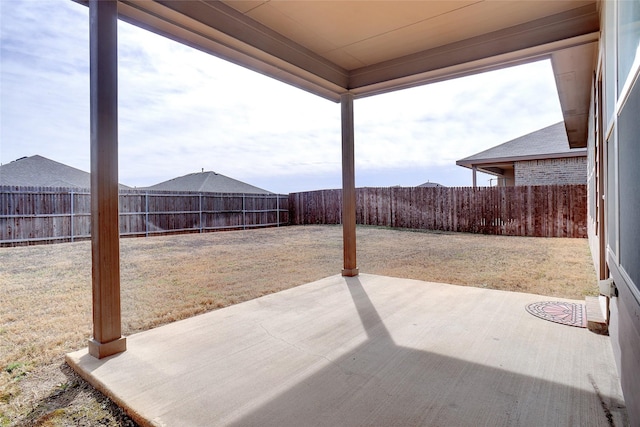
x: 565, y: 313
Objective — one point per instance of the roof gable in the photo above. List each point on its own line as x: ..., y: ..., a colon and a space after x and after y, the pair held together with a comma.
x: 38, y: 171
x: 431, y: 184
x: 207, y: 182
x: 546, y: 143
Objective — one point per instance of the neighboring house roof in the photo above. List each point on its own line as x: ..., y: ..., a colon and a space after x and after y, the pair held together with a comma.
x: 547, y: 143
x: 430, y: 184
x: 209, y: 182
x: 38, y: 171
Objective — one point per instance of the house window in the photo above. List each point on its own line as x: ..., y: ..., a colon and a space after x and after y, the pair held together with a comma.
x: 591, y: 174
x: 610, y: 62
x: 611, y: 194
x: 629, y: 177
x: 628, y: 38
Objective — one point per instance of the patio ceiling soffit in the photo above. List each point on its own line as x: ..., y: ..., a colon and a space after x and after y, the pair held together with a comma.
x: 492, y: 170
x: 223, y: 31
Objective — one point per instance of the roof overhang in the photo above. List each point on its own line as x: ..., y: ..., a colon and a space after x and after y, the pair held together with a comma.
x: 367, y: 48
x: 484, y: 163
x: 498, y: 169
x: 573, y: 69
x: 495, y: 170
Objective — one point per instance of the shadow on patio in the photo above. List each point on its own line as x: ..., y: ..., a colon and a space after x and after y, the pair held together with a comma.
x: 368, y: 350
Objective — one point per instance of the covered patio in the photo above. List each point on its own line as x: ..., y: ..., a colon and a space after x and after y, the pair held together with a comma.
x: 337, y: 50
x: 365, y: 350
x: 350, y: 349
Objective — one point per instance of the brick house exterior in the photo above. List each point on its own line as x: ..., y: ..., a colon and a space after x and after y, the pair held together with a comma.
x: 570, y: 170
x: 542, y: 157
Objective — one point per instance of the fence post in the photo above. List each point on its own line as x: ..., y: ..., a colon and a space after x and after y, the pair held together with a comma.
x: 71, y: 216
x: 200, y: 206
x: 244, y: 220
x: 146, y: 214
x: 278, y: 209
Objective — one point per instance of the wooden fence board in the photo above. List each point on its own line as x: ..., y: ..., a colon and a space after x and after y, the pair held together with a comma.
x: 30, y: 215
x: 536, y: 211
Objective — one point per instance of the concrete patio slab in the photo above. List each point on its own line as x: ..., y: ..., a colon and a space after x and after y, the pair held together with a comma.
x: 365, y: 351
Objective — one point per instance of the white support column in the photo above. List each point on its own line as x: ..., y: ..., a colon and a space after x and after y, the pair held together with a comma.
x: 474, y: 170
x: 348, y: 187
x: 105, y: 245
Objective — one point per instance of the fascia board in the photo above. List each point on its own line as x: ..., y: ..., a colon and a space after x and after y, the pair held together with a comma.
x: 497, y: 160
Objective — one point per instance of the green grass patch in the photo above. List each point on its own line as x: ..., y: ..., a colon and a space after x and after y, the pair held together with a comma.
x: 11, y: 367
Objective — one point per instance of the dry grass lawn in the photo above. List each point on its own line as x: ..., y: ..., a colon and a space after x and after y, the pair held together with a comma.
x: 45, y: 303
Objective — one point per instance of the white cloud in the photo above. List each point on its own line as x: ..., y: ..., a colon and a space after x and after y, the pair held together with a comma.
x: 444, y: 122
x: 44, y: 101
x: 182, y: 110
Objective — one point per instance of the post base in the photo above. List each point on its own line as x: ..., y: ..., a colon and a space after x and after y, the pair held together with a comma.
x: 102, y: 350
x: 350, y: 272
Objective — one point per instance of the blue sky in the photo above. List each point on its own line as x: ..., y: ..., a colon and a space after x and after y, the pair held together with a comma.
x: 181, y: 111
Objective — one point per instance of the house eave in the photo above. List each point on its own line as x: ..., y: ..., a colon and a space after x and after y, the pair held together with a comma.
x: 497, y: 160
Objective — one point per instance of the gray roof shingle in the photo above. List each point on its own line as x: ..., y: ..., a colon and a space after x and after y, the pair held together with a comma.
x: 431, y: 184
x: 548, y: 142
x: 38, y: 171
x: 209, y: 182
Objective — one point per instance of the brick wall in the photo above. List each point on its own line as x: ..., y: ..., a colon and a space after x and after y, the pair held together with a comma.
x: 571, y: 170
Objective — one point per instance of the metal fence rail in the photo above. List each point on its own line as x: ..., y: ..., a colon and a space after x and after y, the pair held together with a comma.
x: 30, y: 215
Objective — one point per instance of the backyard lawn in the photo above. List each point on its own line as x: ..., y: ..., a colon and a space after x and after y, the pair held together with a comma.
x: 45, y: 303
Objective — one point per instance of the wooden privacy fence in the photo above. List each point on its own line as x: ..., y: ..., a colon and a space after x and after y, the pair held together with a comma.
x: 537, y: 211
x: 42, y: 215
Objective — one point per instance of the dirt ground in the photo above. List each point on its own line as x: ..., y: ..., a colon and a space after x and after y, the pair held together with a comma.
x: 45, y: 303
